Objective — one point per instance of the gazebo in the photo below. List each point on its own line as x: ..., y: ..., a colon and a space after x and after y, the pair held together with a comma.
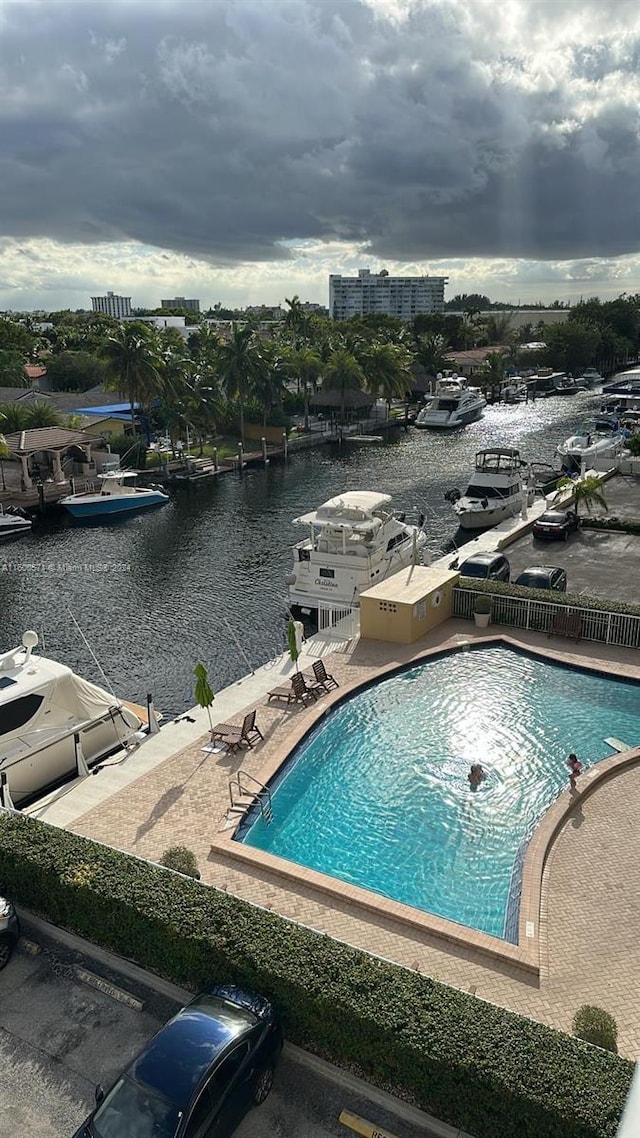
x: 54, y: 443
x: 351, y: 400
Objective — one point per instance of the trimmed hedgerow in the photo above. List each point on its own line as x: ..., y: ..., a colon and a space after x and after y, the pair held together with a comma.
x: 617, y: 525
x: 571, y: 600
x: 480, y: 1068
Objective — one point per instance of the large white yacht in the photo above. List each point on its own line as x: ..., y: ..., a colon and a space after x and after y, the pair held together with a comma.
x: 355, y: 541
x: 43, y: 706
x: 500, y: 484
x: 453, y: 405
x: 597, y: 449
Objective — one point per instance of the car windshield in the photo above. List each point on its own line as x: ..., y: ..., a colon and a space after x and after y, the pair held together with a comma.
x: 132, y: 1111
x: 533, y: 580
x: 474, y: 569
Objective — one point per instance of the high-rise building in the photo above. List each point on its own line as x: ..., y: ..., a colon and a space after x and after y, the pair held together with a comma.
x: 404, y: 297
x: 181, y: 302
x: 112, y: 305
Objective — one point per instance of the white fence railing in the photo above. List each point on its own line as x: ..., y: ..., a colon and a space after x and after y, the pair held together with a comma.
x: 342, y: 622
x: 520, y: 612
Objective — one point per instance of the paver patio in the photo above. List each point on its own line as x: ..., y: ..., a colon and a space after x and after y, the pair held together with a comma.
x: 590, y: 912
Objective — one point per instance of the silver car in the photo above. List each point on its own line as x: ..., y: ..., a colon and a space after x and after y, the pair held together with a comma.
x: 9, y: 931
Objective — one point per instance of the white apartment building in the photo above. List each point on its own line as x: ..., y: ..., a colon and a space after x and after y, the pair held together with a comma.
x: 404, y: 297
x: 112, y: 305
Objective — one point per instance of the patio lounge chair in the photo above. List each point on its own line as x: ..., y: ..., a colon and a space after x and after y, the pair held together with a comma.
x: 295, y: 692
x: 234, y: 734
x: 322, y: 677
x: 567, y: 624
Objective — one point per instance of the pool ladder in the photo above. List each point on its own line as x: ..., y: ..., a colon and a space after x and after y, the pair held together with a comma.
x: 247, y: 797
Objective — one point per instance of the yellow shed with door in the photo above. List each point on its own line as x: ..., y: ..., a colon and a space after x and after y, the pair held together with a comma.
x: 406, y: 606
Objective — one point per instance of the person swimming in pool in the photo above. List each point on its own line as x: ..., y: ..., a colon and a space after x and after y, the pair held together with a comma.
x: 476, y: 776
x: 575, y: 770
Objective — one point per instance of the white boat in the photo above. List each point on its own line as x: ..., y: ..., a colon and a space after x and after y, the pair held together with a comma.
x: 500, y: 485
x: 453, y: 405
x: 516, y: 390
x: 13, y: 523
x: 117, y: 495
x: 590, y: 446
x: 43, y: 707
x: 589, y: 378
x: 354, y: 542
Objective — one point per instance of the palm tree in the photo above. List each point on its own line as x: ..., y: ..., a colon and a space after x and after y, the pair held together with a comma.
x: 13, y: 417
x: 133, y: 364
x: 493, y: 368
x: 587, y: 491
x: 307, y: 367
x: 268, y: 381
x: 431, y: 352
x: 386, y: 367
x: 237, y: 364
x: 295, y: 320
x: 4, y: 454
x: 498, y: 327
x: 343, y: 373
x: 41, y: 414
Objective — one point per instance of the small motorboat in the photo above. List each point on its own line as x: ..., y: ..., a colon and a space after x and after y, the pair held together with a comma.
x: 117, y: 495
x: 590, y: 446
x: 13, y: 523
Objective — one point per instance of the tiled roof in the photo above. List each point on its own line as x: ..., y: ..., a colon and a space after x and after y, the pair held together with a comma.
x: 46, y: 438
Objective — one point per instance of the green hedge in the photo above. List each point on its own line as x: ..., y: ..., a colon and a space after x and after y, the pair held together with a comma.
x: 474, y: 1065
x: 617, y: 525
x: 571, y: 600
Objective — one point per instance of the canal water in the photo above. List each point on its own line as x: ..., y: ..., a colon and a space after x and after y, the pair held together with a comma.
x: 143, y: 600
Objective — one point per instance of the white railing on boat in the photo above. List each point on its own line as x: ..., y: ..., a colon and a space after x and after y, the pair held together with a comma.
x: 617, y: 628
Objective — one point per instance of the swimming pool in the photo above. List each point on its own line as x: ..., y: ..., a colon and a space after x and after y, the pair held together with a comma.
x: 377, y: 795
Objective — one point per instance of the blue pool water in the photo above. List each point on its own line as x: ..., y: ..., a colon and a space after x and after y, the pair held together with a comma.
x: 378, y: 794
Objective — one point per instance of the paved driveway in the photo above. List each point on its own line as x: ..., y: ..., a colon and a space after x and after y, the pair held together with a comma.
x: 60, y: 1036
x: 598, y: 563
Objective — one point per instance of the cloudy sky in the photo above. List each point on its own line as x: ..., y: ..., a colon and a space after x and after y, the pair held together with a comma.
x: 241, y: 150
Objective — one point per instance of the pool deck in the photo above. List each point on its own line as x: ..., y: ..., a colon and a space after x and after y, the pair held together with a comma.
x: 587, y: 950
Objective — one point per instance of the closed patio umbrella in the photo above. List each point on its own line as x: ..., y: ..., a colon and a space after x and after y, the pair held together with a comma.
x: 203, y: 693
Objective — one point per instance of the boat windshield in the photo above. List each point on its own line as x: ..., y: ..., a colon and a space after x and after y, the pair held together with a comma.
x: 491, y: 491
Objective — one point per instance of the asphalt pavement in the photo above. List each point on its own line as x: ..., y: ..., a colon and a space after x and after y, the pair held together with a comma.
x: 72, y: 1016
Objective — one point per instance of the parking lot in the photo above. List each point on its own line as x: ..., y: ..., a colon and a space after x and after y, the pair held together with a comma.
x: 60, y: 1035
x: 599, y: 563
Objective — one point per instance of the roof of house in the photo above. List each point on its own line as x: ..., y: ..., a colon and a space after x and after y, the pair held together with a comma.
x: 35, y: 371
x: 352, y: 399
x: 46, y: 438
x: 475, y: 355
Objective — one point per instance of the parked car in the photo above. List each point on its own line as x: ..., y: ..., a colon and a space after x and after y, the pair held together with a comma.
x: 9, y: 931
x: 486, y: 566
x: 543, y: 577
x: 555, y: 524
x: 199, y: 1075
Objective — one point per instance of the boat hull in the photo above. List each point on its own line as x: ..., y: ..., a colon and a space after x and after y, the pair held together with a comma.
x: 486, y: 519
x: 51, y: 763
x: 111, y: 506
x: 451, y: 424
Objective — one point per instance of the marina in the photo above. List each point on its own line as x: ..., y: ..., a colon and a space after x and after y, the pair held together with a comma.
x: 204, y: 577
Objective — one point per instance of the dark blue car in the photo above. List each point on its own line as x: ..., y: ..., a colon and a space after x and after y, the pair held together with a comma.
x: 198, y: 1076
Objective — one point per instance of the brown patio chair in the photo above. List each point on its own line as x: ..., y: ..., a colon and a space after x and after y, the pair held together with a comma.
x: 322, y: 677
x: 235, y: 734
x: 295, y: 692
x: 567, y: 624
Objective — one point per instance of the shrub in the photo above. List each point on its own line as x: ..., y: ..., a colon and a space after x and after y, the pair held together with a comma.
x: 482, y: 604
x: 596, y: 1026
x: 474, y: 1065
x: 135, y: 450
x: 182, y: 860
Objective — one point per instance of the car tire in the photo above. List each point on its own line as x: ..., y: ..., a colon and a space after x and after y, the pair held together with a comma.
x: 6, y: 949
x: 262, y: 1085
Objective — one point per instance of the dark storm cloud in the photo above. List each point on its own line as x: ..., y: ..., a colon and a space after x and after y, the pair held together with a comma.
x: 221, y: 130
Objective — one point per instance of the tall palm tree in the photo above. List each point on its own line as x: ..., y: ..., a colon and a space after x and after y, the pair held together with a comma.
x: 586, y: 491
x: 268, y: 380
x: 342, y: 373
x: 295, y: 320
x: 306, y: 367
x: 493, y: 368
x: 237, y: 362
x: 386, y: 368
x: 4, y: 454
x: 133, y: 364
x: 431, y: 352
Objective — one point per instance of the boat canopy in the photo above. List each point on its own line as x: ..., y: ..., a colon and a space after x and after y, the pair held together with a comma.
x: 117, y: 475
x: 356, y: 506
x: 499, y: 458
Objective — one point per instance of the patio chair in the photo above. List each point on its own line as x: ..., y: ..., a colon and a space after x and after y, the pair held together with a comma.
x: 295, y: 692
x: 235, y: 734
x: 322, y: 677
x: 567, y: 624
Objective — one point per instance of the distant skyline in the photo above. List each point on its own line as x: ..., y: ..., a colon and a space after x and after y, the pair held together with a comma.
x: 242, y: 151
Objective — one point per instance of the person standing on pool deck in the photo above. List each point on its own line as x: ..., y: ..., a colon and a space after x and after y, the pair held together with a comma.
x: 575, y: 769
